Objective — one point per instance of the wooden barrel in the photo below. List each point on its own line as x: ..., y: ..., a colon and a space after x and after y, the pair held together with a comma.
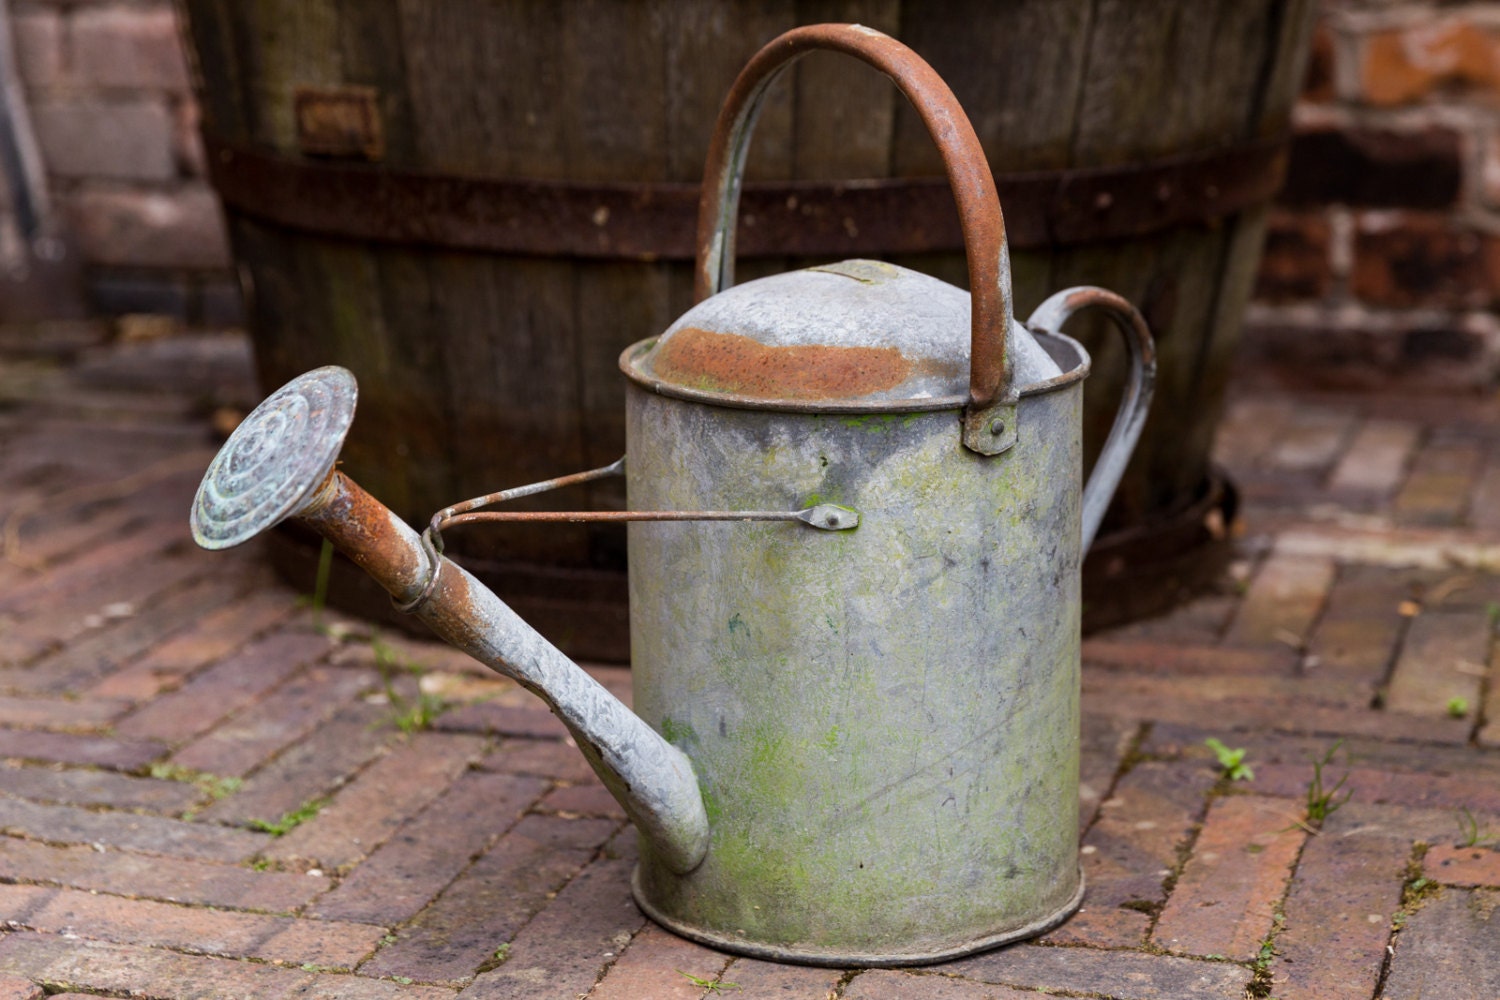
x: 476, y: 204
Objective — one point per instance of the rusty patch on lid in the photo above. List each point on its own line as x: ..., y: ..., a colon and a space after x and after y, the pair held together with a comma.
x: 731, y: 363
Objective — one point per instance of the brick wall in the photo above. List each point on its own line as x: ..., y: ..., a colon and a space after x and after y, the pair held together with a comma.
x: 1383, y: 257
x: 113, y: 114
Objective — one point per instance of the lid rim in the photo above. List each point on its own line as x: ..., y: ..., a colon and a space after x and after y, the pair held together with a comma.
x: 661, y: 387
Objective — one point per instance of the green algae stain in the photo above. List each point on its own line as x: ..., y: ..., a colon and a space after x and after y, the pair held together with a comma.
x: 677, y: 733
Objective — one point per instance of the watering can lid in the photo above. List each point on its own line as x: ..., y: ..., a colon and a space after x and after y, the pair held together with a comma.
x: 853, y: 335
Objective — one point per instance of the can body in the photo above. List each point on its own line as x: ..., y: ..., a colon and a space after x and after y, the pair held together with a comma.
x: 884, y: 721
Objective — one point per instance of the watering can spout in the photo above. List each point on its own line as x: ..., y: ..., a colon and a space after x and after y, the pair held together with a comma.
x: 279, y: 464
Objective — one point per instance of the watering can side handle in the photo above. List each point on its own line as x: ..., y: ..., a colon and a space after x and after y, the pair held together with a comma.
x: 1134, y: 402
x: 989, y: 424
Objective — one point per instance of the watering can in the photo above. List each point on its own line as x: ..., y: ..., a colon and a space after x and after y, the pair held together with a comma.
x: 856, y: 530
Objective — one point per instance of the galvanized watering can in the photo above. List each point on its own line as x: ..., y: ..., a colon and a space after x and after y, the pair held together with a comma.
x: 856, y: 727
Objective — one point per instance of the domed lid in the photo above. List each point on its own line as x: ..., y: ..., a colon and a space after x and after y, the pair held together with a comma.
x: 860, y: 334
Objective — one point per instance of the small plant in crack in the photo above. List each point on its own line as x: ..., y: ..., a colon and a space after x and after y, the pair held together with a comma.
x: 211, y: 785
x: 289, y: 821
x: 712, y: 985
x: 409, y: 716
x: 1471, y: 832
x: 1231, y: 760
x: 1324, y: 800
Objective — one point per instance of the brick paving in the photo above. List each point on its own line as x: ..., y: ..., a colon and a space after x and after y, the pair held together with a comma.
x: 203, y: 793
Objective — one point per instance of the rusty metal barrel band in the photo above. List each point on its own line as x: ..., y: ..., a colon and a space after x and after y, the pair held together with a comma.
x: 656, y: 220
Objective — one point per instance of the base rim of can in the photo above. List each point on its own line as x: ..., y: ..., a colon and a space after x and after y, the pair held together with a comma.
x: 839, y: 960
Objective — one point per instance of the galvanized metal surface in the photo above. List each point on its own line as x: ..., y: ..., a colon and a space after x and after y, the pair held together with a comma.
x: 275, y: 459
x: 856, y: 336
x: 653, y: 781
x: 260, y: 477
x: 655, y: 221
x: 991, y: 391
x: 885, y: 721
x: 882, y: 724
x: 1135, y: 402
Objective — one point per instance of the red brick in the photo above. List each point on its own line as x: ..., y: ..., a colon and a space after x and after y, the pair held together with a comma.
x: 1344, y: 895
x: 1489, y: 735
x: 1296, y: 263
x: 121, y: 969
x: 1225, y: 900
x: 1375, y: 168
x: 1313, y: 442
x: 112, y: 594
x: 284, y: 716
x: 1466, y: 866
x: 177, y: 880
x: 60, y: 713
x: 108, y: 564
x: 1131, y: 849
x: 364, y: 813
x: 135, y: 921
x: 591, y: 799
x: 1419, y: 259
x: 38, y: 47
x: 1404, y: 65
x: 128, y: 46
x: 1103, y: 746
x: 486, y: 905
x: 492, y: 718
x: 117, y: 139
x: 1426, y: 791
x: 227, y: 686
x: 68, y: 748
x: 559, y: 761
x: 1318, y: 352
x: 1357, y: 635
x: 1437, y: 490
x: 884, y: 984
x: 657, y: 964
x: 1442, y: 662
x: 411, y: 868
x: 1294, y: 708
x: 1119, y: 975
x: 326, y: 944
x: 87, y: 787
x: 1161, y: 656
x: 1283, y: 601
x: 192, y: 161
x: 569, y: 943
x: 132, y: 228
x: 1448, y: 950
x: 211, y: 638
x: 311, y: 769
x: 1484, y: 511
x: 149, y: 834
x: 1376, y: 460
x: 756, y: 980
x: 81, y: 663
x: 21, y: 989
x: 1317, y: 85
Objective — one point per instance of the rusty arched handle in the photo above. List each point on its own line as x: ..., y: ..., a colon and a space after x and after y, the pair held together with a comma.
x: 968, y: 173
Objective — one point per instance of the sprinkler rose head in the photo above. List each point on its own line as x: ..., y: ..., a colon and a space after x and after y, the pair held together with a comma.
x: 273, y: 463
